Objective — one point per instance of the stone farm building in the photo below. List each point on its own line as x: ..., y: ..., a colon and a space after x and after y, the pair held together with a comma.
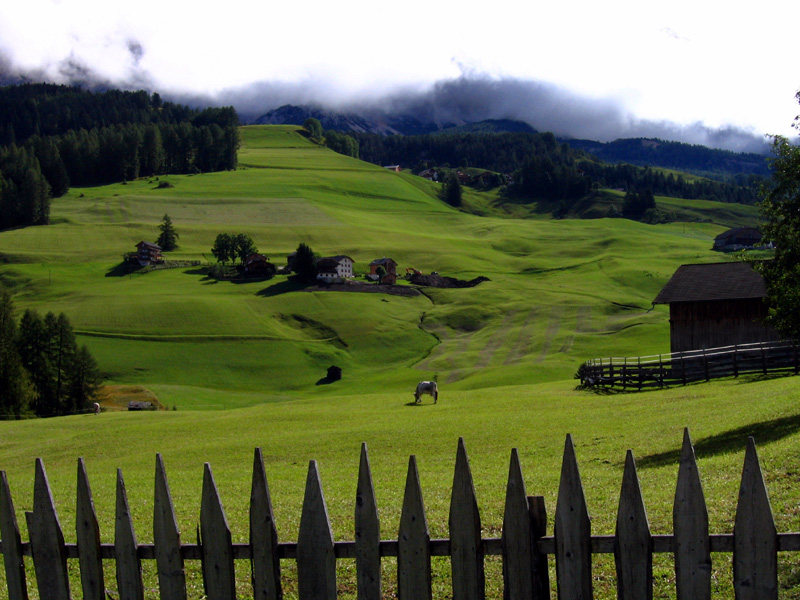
x: 715, y: 305
x: 334, y: 269
x: 148, y: 254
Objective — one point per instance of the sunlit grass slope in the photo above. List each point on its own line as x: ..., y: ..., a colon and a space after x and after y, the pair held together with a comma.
x: 559, y: 291
x: 533, y: 418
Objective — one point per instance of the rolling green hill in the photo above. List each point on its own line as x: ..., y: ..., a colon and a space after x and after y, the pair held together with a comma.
x: 242, y: 361
x: 559, y: 291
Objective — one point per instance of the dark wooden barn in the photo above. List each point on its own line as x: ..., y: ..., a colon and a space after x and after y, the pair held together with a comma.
x: 715, y: 305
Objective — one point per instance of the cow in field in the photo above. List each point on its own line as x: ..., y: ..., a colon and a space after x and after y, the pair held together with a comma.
x: 96, y: 408
x: 426, y: 387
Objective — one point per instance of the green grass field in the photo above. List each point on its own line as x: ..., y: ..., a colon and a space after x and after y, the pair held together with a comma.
x: 242, y: 362
x: 559, y: 291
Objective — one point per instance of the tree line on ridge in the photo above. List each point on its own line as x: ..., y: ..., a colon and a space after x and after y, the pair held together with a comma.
x: 53, y: 137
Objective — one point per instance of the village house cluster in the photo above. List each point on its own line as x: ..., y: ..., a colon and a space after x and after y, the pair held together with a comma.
x: 340, y: 268
x: 330, y: 269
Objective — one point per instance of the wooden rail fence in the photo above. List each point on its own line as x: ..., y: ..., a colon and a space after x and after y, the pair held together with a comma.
x: 680, y: 368
x: 524, y: 547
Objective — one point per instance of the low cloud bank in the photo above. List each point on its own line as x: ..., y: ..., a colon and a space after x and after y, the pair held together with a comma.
x: 468, y: 98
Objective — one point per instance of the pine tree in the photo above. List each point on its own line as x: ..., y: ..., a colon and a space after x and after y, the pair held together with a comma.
x: 168, y: 239
x: 15, y: 388
x: 305, y: 264
x: 451, y: 190
x: 83, y: 380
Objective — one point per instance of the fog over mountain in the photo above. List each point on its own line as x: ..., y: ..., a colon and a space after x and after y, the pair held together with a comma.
x: 468, y: 98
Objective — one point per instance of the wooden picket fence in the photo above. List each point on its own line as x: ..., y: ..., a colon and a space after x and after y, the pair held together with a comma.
x: 524, y: 547
x: 680, y: 368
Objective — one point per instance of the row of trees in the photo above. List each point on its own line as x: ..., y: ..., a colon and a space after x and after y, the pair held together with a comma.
x: 336, y: 141
x: 543, y: 168
x: 24, y: 190
x: 55, y: 136
x: 42, y: 369
x: 230, y: 246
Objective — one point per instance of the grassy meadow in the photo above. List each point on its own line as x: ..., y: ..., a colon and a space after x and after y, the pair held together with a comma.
x: 242, y: 362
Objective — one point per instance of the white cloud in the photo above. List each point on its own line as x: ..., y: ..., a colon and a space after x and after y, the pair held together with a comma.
x: 685, y: 61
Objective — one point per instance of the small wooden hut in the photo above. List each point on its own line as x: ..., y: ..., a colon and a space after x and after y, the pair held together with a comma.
x: 714, y: 305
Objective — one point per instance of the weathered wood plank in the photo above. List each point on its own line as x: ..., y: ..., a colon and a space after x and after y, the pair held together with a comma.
x: 265, y: 564
x: 517, y: 539
x: 12, y: 544
x: 167, y: 539
x: 466, y: 550
x: 219, y: 576
x: 541, y: 573
x: 413, y: 542
x: 367, y: 533
x: 572, y: 532
x: 88, y: 535
x: 755, y: 538
x: 690, y: 525
x: 634, y: 548
x: 316, y: 560
x: 47, y: 541
x: 129, y: 565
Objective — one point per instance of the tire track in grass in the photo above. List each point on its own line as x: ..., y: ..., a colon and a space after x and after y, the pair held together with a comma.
x: 584, y: 320
x: 523, y: 339
x: 461, y: 348
x: 488, y: 351
x: 553, y: 326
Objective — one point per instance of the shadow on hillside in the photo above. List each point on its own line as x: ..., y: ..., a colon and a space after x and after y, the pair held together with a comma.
x: 413, y: 403
x: 283, y: 287
x: 121, y: 270
x: 734, y: 440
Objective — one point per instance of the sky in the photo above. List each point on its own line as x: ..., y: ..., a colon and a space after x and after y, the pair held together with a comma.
x: 632, y: 65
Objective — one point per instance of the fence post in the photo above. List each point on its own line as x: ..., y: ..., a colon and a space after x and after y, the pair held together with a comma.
x: 88, y: 535
x: 265, y: 569
x: 755, y: 539
x: 519, y: 573
x: 367, y: 533
x: 692, y: 544
x: 219, y: 578
x: 167, y: 539
x: 572, y: 532
x: 639, y: 372
x: 47, y: 541
x: 413, y: 542
x: 633, y: 548
x: 316, y: 562
x: 12, y: 544
x: 129, y: 566
x: 466, y: 548
x: 541, y: 575
x: 705, y: 364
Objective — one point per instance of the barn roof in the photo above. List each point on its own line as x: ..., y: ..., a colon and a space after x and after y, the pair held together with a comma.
x: 148, y: 245
x: 738, y: 232
x: 382, y: 261
x: 714, y: 281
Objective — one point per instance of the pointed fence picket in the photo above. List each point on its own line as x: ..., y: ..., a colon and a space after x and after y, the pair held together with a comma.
x: 524, y: 547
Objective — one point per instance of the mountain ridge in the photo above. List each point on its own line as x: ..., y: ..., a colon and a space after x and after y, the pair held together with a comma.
x: 640, y: 151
